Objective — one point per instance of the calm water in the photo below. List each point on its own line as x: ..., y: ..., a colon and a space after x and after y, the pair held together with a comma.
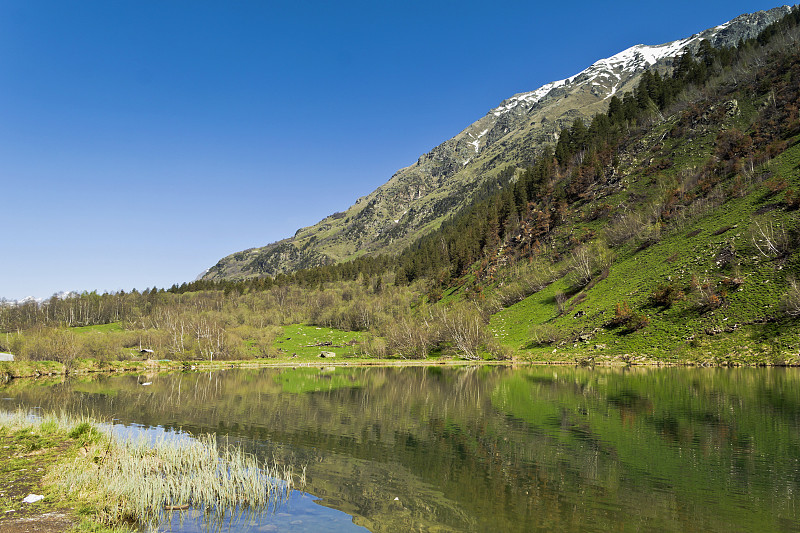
x: 487, y: 449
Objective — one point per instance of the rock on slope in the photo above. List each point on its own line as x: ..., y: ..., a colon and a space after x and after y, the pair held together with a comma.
x: 417, y: 198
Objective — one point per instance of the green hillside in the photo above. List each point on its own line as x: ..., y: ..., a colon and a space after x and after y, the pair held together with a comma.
x: 712, y: 257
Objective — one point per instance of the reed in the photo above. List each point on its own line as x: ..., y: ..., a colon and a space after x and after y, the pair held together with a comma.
x: 46, y: 423
x: 141, y: 480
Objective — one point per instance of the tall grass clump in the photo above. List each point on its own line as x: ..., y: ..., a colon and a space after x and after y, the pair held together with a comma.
x: 49, y: 423
x: 140, y: 481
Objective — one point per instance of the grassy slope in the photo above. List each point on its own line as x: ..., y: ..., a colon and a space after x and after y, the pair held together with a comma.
x: 300, y: 339
x: 733, y: 332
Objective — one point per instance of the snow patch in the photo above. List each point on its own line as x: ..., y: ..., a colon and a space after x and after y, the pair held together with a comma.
x: 527, y: 98
x: 476, y: 142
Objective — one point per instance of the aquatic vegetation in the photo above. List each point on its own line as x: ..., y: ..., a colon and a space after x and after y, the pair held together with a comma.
x: 140, y: 480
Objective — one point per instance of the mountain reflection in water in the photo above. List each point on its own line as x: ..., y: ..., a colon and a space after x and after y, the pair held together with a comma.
x: 490, y: 448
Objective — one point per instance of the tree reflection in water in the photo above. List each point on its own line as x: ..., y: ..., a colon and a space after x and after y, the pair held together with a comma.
x: 494, y: 448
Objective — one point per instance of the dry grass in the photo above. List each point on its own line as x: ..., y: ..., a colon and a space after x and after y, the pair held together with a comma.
x: 139, y: 481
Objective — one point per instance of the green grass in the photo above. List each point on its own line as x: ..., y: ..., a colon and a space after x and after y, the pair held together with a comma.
x: 300, y: 339
x: 735, y: 332
x: 31, y: 448
x: 100, y: 328
x: 19, y: 369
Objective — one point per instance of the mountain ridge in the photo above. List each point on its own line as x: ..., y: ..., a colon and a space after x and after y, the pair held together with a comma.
x: 417, y: 198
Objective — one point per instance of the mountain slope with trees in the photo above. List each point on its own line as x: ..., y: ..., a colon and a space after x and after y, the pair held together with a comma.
x: 508, y: 139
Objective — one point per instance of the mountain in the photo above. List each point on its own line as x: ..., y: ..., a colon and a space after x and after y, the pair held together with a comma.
x: 62, y: 295
x: 509, y: 137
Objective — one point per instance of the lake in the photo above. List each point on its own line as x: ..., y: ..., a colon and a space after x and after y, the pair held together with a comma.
x: 483, y: 448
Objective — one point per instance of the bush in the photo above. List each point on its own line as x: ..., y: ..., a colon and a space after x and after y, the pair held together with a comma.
x: 770, y: 239
x: 545, y: 334
x: 465, y: 328
x: 624, y: 228
x: 665, y: 295
x: 101, y: 346
x: 524, y: 280
x: 732, y: 282
x: 499, y: 352
x: 560, y: 298
x: 622, y: 314
x: 792, y: 199
x: 372, y: 346
x: 637, y: 322
x: 46, y: 344
x: 708, y: 297
x: 586, y: 261
x: 775, y: 184
x: 411, y: 337
x: 624, y: 317
x: 791, y: 301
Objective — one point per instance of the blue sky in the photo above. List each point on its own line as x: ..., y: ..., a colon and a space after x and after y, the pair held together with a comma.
x: 141, y: 141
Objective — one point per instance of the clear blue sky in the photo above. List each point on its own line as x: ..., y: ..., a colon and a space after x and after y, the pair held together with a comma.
x: 141, y: 141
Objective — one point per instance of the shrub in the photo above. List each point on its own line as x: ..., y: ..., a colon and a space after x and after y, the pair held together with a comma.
x: 465, y: 328
x: 411, y: 337
x: 792, y: 199
x: 372, y: 346
x: 637, y: 322
x: 629, y: 320
x: 624, y: 228
x: 791, y: 301
x: 46, y: 344
x: 775, y: 185
x: 582, y: 268
x: 499, y: 352
x: 708, y: 297
x: 545, y: 334
x: 732, y: 282
x: 769, y: 239
x: 587, y: 260
x: 524, y: 280
x: 622, y: 314
x: 560, y: 298
x: 100, y: 346
x: 665, y: 295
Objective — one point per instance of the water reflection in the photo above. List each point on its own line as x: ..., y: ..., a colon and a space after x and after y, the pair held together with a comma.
x: 491, y: 449
x: 299, y: 514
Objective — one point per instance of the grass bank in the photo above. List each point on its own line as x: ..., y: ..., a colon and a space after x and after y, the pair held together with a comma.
x: 92, y: 481
x: 580, y: 341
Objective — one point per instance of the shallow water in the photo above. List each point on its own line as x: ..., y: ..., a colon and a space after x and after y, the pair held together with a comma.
x: 485, y: 449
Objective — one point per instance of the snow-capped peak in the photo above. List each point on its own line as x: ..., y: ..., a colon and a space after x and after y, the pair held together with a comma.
x: 527, y: 98
x: 633, y: 59
x: 639, y: 56
x: 611, y: 73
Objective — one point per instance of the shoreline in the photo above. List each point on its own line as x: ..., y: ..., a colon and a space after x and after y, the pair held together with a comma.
x: 35, y: 369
